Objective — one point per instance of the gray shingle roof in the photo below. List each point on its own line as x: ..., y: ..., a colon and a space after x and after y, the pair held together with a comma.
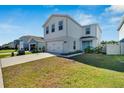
x: 28, y: 38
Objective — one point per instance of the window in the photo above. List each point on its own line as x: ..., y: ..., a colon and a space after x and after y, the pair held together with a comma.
x: 53, y: 27
x: 60, y: 25
x: 47, y: 30
x: 74, y: 45
x: 88, y: 30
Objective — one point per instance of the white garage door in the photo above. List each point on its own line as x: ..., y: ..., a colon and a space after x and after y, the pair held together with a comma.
x: 56, y: 47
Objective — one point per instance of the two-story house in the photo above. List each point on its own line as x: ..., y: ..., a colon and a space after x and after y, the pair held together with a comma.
x: 121, y: 35
x: 121, y: 30
x: 63, y: 34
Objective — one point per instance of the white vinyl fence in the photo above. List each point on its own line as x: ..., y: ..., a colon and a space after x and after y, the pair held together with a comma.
x: 113, y: 49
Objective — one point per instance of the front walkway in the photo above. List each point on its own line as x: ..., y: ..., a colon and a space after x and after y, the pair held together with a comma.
x: 23, y: 59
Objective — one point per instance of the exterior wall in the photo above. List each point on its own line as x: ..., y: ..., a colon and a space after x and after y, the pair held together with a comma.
x: 121, y: 33
x: 25, y: 42
x: 41, y: 45
x: 74, y: 32
x: 113, y: 49
x: 94, y: 31
x: 122, y: 48
x: 98, y: 35
x: 57, y: 33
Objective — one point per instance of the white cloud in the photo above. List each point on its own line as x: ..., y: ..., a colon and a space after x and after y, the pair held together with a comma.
x: 8, y: 27
x: 115, y: 19
x: 115, y: 9
x: 85, y: 19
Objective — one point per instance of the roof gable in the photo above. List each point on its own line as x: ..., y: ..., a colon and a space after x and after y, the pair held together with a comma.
x: 121, y: 23
x: 60, y: 15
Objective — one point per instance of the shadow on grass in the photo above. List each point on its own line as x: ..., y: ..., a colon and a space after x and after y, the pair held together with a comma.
x: 115, y: 63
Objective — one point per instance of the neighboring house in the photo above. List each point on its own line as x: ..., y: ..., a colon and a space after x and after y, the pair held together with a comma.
x: 16, y: 43
x: 63, y: 34
x: 32, y: 42
x: 27, y: 42
x: 36, y: 43
x: 115, y: 49
x: 121, y: 30
x: 9, y: 45
x: 121, y: 35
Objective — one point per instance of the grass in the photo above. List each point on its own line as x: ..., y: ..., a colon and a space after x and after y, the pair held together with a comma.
x: 5, y: 55
x: 2, y: 55
x: 103, y: 61
x: 61, y: 72
x: 7, y: 51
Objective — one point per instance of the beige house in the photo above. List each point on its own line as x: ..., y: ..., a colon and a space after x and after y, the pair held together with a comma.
x: 63, y: 34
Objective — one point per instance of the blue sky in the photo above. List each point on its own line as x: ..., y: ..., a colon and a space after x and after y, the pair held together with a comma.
x: 16, y: 21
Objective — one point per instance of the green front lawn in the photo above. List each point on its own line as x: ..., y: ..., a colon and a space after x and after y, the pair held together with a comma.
x: 61, y: 72
x: 102, y: 61
x: 4, y: 55
x: 7, y: 51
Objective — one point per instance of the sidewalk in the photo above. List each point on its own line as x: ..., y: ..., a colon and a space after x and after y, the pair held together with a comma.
x: 23, y: 59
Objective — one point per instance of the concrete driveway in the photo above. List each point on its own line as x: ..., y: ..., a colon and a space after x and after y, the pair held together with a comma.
x: 23, y: 59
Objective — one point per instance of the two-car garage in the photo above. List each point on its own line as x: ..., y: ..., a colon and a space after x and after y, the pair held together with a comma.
x: 56, y: 46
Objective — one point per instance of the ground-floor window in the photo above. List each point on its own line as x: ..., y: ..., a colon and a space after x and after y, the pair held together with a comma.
x: 86, y: 44
x: 74, y: 45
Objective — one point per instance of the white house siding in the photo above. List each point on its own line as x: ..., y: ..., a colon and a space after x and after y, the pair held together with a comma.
x: 122, y: 48
x: 57, y: 33
x: 112, y: 49
x: 59, y: 36
x: 121, y: 33
x: 74, y: 32
x: 94, y: 31
x: 41, y: 45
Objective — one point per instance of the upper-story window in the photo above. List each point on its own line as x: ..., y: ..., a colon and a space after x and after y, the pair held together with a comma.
x: 47, y: 30
x: 88, y: 30
x: 53, y: 28
x: 60, y: 25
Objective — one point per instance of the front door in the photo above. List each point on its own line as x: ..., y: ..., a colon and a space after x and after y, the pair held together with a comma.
x: 32, y: 47
x: 86, y: 44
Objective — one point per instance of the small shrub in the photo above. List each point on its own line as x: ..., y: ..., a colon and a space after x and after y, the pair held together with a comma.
x: 98, y: 49
x: 35, y: 51
x: 89, y: 50
x: 12, y: 54
x: 21, y: 52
